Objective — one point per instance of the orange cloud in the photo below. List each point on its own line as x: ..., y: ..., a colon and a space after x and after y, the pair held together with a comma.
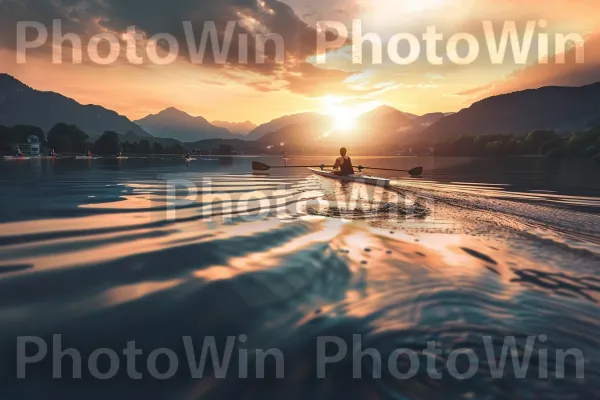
x: 534, y: 76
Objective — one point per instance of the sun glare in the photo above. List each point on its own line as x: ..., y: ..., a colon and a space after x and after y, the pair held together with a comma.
x: 388, y: 13
x: 345, y: 115
x: 407, y: 6
x: 343, y: 119
x: 417, y: 6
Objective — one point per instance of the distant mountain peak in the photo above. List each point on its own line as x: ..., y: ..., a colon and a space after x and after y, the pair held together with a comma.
x: 10, y: 82
x: 173, y: 110
x: 239, y: 128
x: 22, y: 104
x: 387, y: 111
x: 174, y: 123
x: 7, y: 77
x: 386, y: 108
x: 281, y: 122
x: 550, y: 107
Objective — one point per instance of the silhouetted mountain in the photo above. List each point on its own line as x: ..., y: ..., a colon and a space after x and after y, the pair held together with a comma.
x: 314, y: 127
x: 132, y: 137
x: 409, y: 115
x: 385, y: 121
x: 427, y: 120
x: 175, y: 124
x: 377, y: 130
x: 21, y: 104
x: 310, y: 139
x: 237, y: 128
x: 388, y: 125
x: 237, y: 145
x: 389, y: 113
x: 562, y: 108
x: 282, y: 122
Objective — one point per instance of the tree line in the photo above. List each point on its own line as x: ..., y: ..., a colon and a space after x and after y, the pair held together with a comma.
x: 145, y: 146
x: 19, y: 134
x: 65, y: 138
x: 542, y: 142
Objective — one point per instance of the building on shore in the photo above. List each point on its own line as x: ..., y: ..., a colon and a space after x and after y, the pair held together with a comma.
x: 31, y: 148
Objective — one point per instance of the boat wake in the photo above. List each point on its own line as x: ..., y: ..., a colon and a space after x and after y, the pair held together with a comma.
x: 288, y: 259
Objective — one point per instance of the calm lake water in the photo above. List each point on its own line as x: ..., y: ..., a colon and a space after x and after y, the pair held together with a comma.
x: 107, y: 252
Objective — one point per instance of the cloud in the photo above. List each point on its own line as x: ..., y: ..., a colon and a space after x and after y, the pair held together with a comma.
x: 552, y: 74
x: 477, y: 91
x: 89, y: 17
x: 296, y: 74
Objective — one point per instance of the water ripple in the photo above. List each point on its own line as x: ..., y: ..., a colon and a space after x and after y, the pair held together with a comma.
x: 114, y: 255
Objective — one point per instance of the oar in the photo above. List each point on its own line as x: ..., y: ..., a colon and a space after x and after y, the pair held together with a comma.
x: 412, y: 172
x: 258, y: 166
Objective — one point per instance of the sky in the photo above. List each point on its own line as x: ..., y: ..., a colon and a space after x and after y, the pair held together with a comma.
x: 233, y: 89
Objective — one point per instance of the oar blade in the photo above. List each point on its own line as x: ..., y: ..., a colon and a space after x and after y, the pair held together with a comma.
x: 258, y: 166
x: 416, y: 172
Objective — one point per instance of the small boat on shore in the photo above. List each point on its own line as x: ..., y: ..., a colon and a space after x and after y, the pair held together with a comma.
x: 13, y: 158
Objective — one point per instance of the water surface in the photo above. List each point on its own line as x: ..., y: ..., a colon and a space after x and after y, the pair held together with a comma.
x: 105, y: 252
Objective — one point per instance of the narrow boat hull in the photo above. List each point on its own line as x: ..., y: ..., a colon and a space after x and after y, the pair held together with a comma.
x: 366, y: 179
x: 16, y: 158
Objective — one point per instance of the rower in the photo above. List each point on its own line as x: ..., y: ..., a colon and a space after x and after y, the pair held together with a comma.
x: 19, y: 153
x: 89, y: 153
x: 344, y: 164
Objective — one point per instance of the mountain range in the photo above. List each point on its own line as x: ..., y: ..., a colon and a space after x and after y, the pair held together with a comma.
x: 282, y: 122
x: 560, y: 108
x: 176, y: 124
x: 23, y: 105
x: 375, y: 130
x: 384, y: 128
x: 237, y: 128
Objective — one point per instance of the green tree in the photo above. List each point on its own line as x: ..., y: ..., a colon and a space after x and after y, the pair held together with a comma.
x: 591, y: 151
x: 551, y: 147
x: 144, y: 146
x: 157, y: 148
x: 19, y: 134
x: 538, y: 137
x: 6, y: 138
x: 108, y: 143
x: 225, y: 150
x: 22, y: 132
x: 576, y: 144
x: 174, y: 149
x: 128, y: 147
x: 67, y: 138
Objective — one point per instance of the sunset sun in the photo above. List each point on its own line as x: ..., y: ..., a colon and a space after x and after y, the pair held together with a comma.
x: 345, y: 113
x: 343, y: 116
x: 344, y: 119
